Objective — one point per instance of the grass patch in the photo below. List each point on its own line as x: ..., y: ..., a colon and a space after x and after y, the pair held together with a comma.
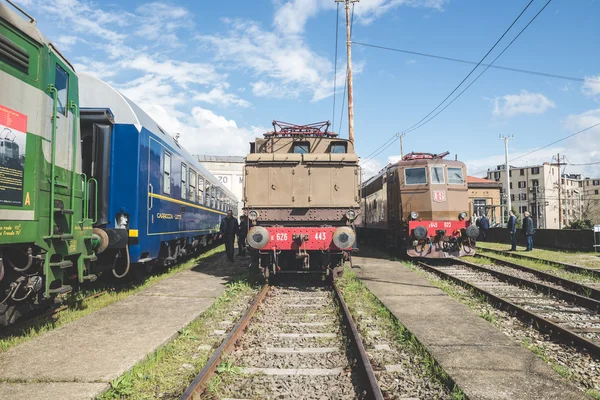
x: 357, y: 295
x: 89, y: 306
x: 588, y: 259
x: 539, y: 266
x: 167, y: 372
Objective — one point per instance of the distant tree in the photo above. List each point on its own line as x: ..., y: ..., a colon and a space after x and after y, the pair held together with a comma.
x: 580, y: 224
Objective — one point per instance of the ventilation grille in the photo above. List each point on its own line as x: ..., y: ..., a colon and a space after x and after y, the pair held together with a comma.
x: 13, y: 55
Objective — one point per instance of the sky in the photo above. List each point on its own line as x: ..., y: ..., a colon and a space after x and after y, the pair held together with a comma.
x: 218, y: 72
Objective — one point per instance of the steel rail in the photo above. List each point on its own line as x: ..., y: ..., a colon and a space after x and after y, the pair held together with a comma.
x: 537, y: 286
x: 199, y: 383
x: 567, y: 267
x: 542, y: 324
x: 579, y: 288
x: 363, y: 359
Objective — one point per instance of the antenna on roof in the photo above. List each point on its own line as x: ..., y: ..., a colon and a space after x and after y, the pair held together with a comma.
x: 177, y: 137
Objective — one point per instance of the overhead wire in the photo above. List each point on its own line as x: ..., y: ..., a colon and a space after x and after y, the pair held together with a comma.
x: 421, y: 123
x: 337, y: 31
x: 458, y: 60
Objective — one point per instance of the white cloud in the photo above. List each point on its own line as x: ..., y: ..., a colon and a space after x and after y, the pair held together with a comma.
x: 523, y: 103
x: 65, y: 42
x: 218, y: 96
x: 591, y: 87
x: 368, y: 11
x: 160, y: 21
x: 370, y: 168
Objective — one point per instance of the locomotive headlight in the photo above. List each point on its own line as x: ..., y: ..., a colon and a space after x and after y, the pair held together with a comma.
x: 350, y: 215
x: 258, y: 237
x: 414, y: 215
x: 253, y: 215
x: 420, y: 232
x: 344, y: 237
x: 462, y: 215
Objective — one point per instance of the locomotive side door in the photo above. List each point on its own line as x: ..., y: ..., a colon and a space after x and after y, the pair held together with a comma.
x: 159, y: 180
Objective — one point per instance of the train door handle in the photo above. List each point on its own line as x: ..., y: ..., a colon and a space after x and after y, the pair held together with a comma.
x: 150, y: 198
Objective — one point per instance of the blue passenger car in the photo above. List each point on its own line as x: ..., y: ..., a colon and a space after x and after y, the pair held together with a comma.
x: 150, y: 200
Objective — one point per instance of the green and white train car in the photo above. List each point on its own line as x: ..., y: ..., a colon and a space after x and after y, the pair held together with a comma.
x: 45, y: 232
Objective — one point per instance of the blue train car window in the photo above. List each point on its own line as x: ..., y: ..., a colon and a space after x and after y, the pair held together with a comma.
x: 167, y: 173
x: 184, y: 181
x: 61, y: 82
x: 192, y: 185
x: 200, y: 189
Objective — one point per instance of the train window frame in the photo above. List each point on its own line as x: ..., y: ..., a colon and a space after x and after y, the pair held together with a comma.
x: 454, y: 181
x: 62, y: 89
x: 436, y: 181
x: 200, y: 189
x: 335, y: 145
x: 406, y: 177
x: 167, y: 172
x: 192, y: 192
x: 297, y: 145
x: 184, y: 188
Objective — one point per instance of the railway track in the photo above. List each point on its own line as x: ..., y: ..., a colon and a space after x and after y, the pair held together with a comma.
x: 293, y: 342
x: 564, y: 315
x: 565, y: 266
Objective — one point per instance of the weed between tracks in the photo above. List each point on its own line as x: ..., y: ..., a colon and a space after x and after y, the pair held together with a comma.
x: 167, y: 372
x: 89, y: 306
x: 571, y: 257
x: 358, y: 296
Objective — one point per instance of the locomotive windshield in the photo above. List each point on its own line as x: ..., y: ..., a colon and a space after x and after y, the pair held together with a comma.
x: 337, y: 148
x: 300, y: 148
x: 415, y: 176
x: 437, y: 175
x: 455, y: 176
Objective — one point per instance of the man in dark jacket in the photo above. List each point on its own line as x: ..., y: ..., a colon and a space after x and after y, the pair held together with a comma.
x: 242, y: 233
x: 512, y: 230
x: 528, y: 230
x: 484, y: 225
x: 228, y: 229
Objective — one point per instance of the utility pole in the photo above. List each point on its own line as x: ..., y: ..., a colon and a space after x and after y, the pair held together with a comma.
x: 349, y: 50
x: 401, y: 136
x: 506, y: 139
x: 560, y: 213
x: 537, y: 207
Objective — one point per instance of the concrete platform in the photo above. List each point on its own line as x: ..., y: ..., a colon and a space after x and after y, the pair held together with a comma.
x: 78, y: 360
x: 482, y: 360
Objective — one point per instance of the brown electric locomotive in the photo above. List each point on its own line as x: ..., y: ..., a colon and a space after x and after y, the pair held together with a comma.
x: 419, y: 205
x: 302, y: 197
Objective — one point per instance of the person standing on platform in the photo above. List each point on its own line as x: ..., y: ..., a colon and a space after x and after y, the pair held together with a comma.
x: 242, y: 233
x: 228, y: 229
x: 528, y: 230
x: 512, y: 230
x: 484, y: 225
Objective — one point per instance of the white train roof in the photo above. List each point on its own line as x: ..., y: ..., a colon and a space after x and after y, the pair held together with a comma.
x: 95, y: 93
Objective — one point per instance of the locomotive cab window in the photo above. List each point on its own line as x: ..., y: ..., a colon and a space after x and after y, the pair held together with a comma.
x: 455, y: 176
x: 192, y: 185
x: 300, y: 147
x: 337, y: 148
x: 167, y: 173
x: 437, y: 175
x: 415, y: 176
x: 184, y: 181
x: 61, y: 82
x: 200, y: 190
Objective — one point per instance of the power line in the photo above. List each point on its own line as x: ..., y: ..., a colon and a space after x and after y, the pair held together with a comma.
x: 421, y: 123
x: 382, y: 148
x: 337, y: 31
x: 525, y: 71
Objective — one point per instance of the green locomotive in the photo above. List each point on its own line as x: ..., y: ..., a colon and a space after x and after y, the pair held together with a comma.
x: 45, y: 230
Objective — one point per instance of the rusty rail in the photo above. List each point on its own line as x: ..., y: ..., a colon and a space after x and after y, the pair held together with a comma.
x: 542, y: 324
x: 374, y: 392
x: 199, y: 383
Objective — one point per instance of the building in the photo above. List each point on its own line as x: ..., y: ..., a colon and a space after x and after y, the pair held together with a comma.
x: 590, y: 207
x: 543, y: 191
x: 484, y: 198
x: 229, y: 170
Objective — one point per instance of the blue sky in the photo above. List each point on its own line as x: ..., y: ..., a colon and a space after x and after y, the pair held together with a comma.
x: 220, y: 72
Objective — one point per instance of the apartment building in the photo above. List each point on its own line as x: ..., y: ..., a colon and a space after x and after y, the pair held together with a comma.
x: 591, y: 199
x: 546, y: 194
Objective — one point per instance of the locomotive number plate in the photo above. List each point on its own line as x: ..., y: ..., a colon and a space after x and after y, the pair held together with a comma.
x: 281, y: 237
x: 320, y: 236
